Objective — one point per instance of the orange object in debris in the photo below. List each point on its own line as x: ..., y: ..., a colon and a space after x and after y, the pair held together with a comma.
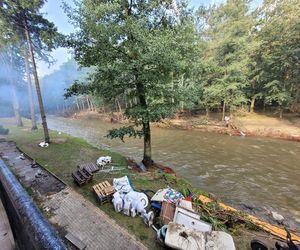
x: 277, y: 231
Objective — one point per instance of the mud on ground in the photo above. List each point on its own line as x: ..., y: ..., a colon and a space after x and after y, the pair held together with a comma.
x: 30, y: 173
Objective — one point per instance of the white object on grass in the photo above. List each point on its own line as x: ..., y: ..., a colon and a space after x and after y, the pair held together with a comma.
x: 118, y: 202
x: 43, y: 144
x: 103, y: 160
x: 122, y: 185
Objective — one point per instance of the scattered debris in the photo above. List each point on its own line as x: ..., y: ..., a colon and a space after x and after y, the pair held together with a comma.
x: 43, y: 144
x: 149, y: 218
x: 112, y: 169
x: 46, y: 209
x: 103, y: 160
x: 167, y: 212
x: 38, y: 174
x: 190, y: 220
x: 142, y: 167
x: 21, y: 157
x: 122, y: 184
x: 34, y: 164
x: 277, y: 217
x: 180, y: 237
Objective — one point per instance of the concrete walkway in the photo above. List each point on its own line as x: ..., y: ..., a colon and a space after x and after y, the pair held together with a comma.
x: 68, y: 209
x: 6, y: 237
x: 87, y: 222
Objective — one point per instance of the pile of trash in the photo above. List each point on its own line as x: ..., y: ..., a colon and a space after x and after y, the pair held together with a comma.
x: 171, y: 215
x: 130, y: 202
x: 182, y: 227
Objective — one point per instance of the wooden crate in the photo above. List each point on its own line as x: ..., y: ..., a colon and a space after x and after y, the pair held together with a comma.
x: 104, y: 191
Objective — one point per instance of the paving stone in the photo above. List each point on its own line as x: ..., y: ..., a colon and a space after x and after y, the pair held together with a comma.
x: 88, y: 223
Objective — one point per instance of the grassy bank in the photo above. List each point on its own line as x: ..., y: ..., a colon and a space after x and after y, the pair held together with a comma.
x: 65, y: 153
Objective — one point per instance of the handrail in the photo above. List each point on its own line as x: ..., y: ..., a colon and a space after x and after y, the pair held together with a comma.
x: 39, y: 232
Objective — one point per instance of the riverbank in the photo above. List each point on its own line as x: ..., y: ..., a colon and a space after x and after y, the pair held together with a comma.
x: 242, y: 124
x: 66, y: 152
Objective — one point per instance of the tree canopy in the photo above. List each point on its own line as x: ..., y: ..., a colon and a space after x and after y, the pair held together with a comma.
x: 140, y: 49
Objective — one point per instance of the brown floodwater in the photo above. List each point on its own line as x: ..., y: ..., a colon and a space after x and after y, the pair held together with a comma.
x: 243, y: 171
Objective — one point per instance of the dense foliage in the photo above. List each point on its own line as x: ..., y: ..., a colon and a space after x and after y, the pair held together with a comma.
x: 26, y: 34
x: 159, y: 57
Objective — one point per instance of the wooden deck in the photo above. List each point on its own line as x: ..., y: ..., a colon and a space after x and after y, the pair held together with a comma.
x: 7, y: 241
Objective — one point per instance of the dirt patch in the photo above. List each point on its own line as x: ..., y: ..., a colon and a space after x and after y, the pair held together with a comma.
x: 244, y: 124
x: 59, y: 140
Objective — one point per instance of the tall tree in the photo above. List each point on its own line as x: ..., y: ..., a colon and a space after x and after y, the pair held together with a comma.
x: 29, y: 90
x: 227, y: 35
x: 278, y: 56
x: 24, y: 16
x: 8, y: 60
x: 136, y: 46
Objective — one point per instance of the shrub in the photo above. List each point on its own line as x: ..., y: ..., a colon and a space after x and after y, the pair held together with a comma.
x: 3, y: 131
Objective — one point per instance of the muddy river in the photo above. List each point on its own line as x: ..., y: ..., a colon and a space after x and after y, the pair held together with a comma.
x: 242, y: 171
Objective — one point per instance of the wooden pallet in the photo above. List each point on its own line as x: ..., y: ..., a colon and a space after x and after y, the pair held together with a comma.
x: 104, y: 191
x: 91, y: 167
x: 82, y: 176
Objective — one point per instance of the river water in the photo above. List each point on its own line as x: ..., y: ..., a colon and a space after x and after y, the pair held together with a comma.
x: 259, y: 172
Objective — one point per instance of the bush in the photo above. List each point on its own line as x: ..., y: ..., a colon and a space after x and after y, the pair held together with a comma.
x: 3, y: 131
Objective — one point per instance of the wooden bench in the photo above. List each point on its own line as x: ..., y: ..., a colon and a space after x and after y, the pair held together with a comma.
x: 104, y: 191
x: 91, y: 167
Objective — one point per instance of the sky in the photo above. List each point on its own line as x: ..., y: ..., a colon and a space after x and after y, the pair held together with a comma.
x: 53, y: 12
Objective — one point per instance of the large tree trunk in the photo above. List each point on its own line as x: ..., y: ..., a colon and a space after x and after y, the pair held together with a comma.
x: 207, y: 112
x: 29, y: 90
x: 252, y: 105
x: 16, y: 105
x: 119, y: 108
x: 15, y: 100
x: 37, y: 83
x: 147, y: 159
x: 280, y: 112
x: 88, y: 103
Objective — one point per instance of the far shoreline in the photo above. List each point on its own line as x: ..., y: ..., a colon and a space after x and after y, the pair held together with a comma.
x: 246, y: 125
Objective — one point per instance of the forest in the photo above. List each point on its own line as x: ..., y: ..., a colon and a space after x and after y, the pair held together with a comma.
x: 152, y: 59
